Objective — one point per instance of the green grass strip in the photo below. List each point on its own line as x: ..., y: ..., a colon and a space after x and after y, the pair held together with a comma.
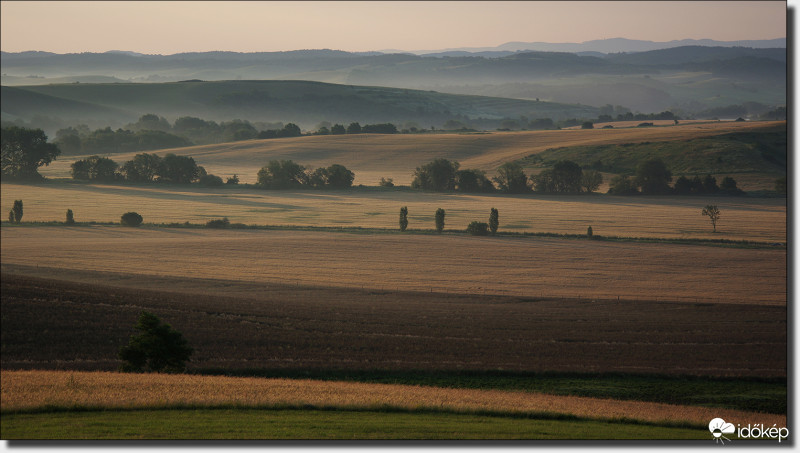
x: 319, y: 424
x: 178, y: 421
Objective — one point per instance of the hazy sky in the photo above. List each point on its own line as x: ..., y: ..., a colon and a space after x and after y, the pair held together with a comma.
x: 172, y: 27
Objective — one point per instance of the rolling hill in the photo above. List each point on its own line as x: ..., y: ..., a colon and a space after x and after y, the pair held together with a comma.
x: 301, y: 102
x: 729, y: 75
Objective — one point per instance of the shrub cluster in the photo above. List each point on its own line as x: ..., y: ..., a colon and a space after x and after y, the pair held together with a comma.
x: 218, y: 223
x: 478, y: 228
x: 286, y: 174
x: 131, y: 219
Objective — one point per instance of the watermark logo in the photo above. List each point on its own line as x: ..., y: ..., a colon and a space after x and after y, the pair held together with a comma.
x: 719, y: 428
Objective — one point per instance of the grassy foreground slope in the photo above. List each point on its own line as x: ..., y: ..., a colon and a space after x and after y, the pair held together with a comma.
x: 307, y: 424
x: 372, y: 156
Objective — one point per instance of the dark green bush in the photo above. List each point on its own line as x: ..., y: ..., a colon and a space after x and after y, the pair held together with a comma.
x: 131, y: 219
x: 218, y: 223
x: 210, y: 181
x: 478, y: 228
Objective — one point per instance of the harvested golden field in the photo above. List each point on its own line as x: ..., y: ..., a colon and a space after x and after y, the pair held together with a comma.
x: 529, y: 267
x: 23, y: 390
x: 373, y: 156
x: 754, y: 219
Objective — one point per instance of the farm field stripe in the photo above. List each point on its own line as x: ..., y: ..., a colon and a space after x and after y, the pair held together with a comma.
x: 743, y: 218
x: 536, y: 267
x: 45, y: 390
x: 501, y: 234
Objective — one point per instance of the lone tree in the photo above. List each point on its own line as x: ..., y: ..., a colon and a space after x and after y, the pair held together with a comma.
x: 713, y: 213
x: 17, y: 211
x: 403, y: 218
x: 23, y: 151
x: 70, y: 217
x: 494, y: 220
x: 157, y: 348
x: 439, y: 220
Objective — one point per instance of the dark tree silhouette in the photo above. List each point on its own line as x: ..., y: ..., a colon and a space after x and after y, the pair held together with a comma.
x: 511, y: 179
x: 713, y: 214
x: 472, y: 180
x: 439, y: 220
x: 494, y: 220
x: 23, y: 151
x: 403, y: 218
x: 439, y: 176
x: 16, y: 210
x: 478, y: 228
x: 283, y: 174
x: 157, y: 348
x: 653, y: 177
x: 354, y: 128
x: 95, y: 168
x: 131, y: 219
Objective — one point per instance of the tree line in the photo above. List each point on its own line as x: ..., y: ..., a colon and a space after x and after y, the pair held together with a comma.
x: 652, y: 177
x: 152, y: 132
x: 146, y: 168
x: 442, y: 175
x: 25, y: 150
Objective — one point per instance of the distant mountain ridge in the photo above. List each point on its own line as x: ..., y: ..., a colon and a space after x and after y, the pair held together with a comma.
x: 612, y: 45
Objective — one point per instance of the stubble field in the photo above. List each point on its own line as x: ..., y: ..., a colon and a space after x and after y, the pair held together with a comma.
x: 530, y: 267
x: 751, y: 219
